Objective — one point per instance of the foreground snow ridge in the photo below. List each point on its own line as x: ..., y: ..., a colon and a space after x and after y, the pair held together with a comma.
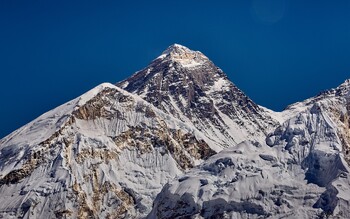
x: 179, y: 140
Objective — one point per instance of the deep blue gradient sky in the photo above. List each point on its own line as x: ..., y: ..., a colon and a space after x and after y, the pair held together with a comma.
x: 277, y: 51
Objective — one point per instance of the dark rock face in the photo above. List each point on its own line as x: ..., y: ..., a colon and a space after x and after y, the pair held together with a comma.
x: 217, y: 207
x: 182, y: 146
x: 328, y: 200
x: 108, y: 153
x: 187, y: 85
x: 185, y: 204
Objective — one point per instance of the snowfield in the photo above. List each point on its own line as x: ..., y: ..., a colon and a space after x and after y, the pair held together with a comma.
x: 179, y: 140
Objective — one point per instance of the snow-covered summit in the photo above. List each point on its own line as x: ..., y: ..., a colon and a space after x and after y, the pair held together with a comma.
x: 184, y: 56
x: 187, y: 85
x: 108, y: 153
x: 176, y: 49
x: 344, y: 88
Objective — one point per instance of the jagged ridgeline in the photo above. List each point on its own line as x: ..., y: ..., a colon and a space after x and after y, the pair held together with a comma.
x: 187, y: 85
x: 179, y: 140
x: 301, y: 170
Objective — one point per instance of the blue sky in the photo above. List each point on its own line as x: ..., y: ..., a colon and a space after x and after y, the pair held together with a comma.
x: 277, y: 51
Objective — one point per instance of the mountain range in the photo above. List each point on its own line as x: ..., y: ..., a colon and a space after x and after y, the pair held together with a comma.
x: 178, y: 139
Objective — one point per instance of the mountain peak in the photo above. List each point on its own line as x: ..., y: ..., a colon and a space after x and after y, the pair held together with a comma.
x: 345, y: 84
x: 187, y: 85
x: 343, y: 89
x: 183, y: 55
x: 177, y: 48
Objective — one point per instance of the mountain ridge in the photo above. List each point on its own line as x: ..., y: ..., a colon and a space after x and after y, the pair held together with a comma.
x: 311, y: 146
x: 200, y: 94
x: 117, y: 148
x: 105, y: 133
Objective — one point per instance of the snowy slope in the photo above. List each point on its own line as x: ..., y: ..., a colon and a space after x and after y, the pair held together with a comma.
x: 110, y: 152
x: 187, y: 85
x: 105, y: 154
x: 335, y: 103
x: 301, y: 171
x: 247, y: 181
